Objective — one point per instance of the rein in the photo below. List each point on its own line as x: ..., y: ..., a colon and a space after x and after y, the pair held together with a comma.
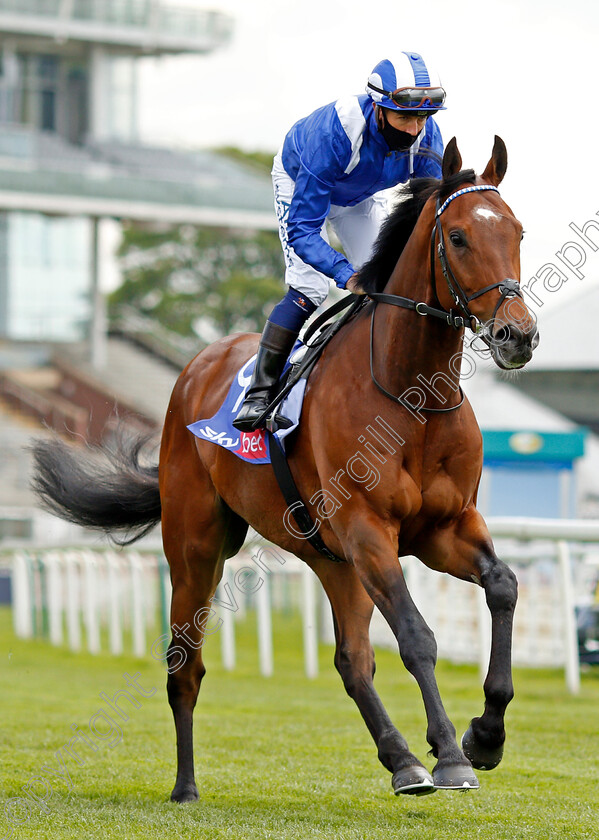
x: 507, y: 288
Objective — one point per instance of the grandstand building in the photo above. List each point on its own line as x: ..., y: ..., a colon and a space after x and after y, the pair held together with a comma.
x: 72, y: 162
x: 71, y: 154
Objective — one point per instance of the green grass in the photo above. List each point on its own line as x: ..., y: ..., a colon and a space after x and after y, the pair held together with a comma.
x: 285, y: 757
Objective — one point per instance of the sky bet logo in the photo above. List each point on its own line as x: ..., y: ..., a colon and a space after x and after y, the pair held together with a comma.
x: 253, y: 445
x: 222, y: 438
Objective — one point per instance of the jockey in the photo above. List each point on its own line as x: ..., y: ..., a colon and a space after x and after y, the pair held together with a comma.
x: 331, y: 168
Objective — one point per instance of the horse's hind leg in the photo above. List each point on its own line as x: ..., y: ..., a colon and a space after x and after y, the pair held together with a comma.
x: 354, y: 659
x: 199, y: 531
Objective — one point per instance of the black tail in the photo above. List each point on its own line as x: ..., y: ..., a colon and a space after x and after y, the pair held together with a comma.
x: 103, y: 489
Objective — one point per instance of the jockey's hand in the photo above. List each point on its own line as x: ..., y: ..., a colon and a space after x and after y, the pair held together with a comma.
x: 352, y: 285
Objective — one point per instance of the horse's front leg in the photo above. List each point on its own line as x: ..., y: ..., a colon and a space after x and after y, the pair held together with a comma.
x: 354, y: 659
x: 484, y: 738
x: 374, y: 554
x: 467, y: 552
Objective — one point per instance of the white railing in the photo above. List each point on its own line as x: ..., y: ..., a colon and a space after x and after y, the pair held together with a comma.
x: 76, y: 595
x: 555, y: 562
x: 105, y: 599
x: 98, y: 598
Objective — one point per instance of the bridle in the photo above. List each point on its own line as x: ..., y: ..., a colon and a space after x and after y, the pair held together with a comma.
x: 507, y: 288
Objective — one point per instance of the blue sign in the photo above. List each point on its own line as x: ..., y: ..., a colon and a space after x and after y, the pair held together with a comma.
x: 532, y: 447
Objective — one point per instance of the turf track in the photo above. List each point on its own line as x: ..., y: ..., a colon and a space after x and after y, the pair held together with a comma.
x: 282, y: 757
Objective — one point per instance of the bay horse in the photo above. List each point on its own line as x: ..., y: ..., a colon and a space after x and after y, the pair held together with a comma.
x: 447, y: 259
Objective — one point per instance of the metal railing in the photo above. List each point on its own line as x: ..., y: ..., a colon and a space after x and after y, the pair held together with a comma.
x: 58, y: 588
x: 553, y: 560
x: 104, y: 599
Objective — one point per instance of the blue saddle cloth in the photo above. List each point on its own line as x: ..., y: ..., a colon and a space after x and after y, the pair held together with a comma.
x: 249, y: 446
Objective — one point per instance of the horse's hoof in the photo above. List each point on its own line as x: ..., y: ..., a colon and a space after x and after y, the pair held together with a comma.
x: 412, y: 780
x: 481, y: 757
x: 185, y: 793
x: 455, y: 777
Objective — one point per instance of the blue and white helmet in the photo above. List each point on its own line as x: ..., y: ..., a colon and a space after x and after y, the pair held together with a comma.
x: 409, y: 84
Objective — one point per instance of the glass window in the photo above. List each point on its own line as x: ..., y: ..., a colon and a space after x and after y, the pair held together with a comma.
x: 76, y: 104
x: 48, y: 277
x: 38, y: 90
x: 121, y: 97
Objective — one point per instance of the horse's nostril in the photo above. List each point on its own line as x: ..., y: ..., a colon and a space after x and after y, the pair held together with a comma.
x: 501, y: 336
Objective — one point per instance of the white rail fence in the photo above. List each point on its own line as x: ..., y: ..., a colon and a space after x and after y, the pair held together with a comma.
x: 557, y: 566
x: 76, y: 595
x: 102, y: 599
x: 117, y: 601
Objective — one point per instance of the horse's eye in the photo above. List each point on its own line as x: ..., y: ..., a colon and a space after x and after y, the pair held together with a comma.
x: 457, y: 239
x: 522, y: 235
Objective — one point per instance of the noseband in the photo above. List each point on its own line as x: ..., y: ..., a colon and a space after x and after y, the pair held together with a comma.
x: 507, y: 288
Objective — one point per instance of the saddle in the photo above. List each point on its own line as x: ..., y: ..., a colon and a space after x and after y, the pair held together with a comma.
x: 303, y: 359
x: 301, y: 364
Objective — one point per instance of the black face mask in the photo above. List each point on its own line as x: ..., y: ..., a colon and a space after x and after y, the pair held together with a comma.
x: 398, y: 141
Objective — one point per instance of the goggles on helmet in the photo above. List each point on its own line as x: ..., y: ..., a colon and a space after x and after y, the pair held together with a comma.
x: 414, y: 98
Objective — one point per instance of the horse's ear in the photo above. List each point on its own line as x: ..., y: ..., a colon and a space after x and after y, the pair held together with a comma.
x: 452, y: 159
x: 496, y: 167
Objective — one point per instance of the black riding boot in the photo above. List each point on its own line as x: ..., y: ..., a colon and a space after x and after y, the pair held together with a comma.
x: 275, y: 345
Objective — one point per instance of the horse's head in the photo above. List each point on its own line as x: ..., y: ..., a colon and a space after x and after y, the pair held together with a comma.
x: 477, y: 241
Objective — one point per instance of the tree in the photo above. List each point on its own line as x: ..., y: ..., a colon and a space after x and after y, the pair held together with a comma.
x: 203, y: 282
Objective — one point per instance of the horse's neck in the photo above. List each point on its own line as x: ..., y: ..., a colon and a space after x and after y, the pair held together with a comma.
x: 411, y: 349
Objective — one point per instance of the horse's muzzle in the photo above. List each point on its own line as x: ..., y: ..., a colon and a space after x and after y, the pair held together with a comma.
x: 513, y: 347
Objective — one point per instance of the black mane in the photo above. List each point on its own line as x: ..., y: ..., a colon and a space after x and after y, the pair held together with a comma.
x: 396, y: 230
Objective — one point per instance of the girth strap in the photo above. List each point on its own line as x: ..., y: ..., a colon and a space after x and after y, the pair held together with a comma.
x: 291, y: 494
